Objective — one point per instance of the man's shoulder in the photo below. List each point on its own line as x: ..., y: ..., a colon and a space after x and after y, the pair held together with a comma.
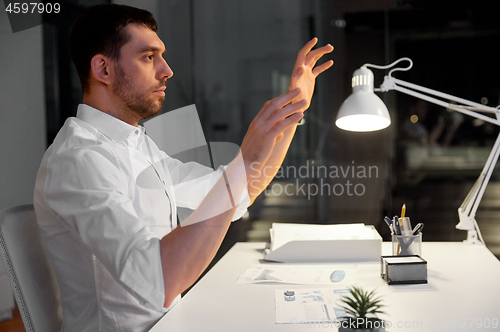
x: 77, y: 138
x: 75, y: 129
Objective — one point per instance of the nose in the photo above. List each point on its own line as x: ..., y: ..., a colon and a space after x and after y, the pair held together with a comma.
x: 165, y: 70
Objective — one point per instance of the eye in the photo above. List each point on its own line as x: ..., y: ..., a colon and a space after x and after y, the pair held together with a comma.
x: 150, y: 57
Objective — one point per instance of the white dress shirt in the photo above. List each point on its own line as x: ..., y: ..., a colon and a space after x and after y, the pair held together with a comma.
x: 104, y: 197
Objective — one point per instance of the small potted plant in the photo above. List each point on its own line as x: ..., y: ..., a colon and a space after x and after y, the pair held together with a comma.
x: 360, y: 308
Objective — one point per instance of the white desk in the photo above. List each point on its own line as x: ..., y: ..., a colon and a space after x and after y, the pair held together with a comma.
x: 464, y: 282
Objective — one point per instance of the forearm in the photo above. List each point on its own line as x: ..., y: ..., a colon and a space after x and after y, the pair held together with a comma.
x: 187, y: 250
x: 267, y: 173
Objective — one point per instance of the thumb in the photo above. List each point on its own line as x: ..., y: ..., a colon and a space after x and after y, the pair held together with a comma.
x: 279, y: 137
x: 299, y: 71
x: 295, y: 76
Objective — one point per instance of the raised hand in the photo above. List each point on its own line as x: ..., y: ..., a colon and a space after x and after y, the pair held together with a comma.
x: 270, y: 133
x: 305, y: 71
x: 275, y: 116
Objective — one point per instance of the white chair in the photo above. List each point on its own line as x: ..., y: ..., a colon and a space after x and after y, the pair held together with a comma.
x: 30, y: 273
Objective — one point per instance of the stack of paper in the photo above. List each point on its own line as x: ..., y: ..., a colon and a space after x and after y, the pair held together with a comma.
x: 319, y: 243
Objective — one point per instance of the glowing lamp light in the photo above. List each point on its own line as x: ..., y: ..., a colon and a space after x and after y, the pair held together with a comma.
x: 363, y: 110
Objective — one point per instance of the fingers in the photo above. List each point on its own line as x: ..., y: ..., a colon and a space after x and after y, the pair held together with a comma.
x: 275, y: 109
x: 308, y: 47
x: 285, y: 113
x: 321, y: 68
x: 275, y: 104
x: 313, y: 56
x: 301, y: 57
x: 285, y: 123
x: 282, y: 100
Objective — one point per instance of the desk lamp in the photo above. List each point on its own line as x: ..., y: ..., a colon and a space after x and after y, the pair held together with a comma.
x: 365, y: 111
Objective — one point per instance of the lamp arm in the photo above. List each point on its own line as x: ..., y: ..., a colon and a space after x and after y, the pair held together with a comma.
x: 391, y: 83
x: 467, y: 210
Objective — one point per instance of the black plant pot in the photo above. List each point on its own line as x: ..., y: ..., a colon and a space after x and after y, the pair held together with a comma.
x: 342, y: 329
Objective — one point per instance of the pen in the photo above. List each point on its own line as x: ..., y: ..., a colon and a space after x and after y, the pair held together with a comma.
x: 418, y: 228
x: 388, y: 221
x: 397, y: 228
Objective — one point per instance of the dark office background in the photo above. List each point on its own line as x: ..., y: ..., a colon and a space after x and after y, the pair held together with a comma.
x: 230, y: 56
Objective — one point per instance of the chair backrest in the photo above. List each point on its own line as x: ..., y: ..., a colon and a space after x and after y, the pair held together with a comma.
x: 31, y: 276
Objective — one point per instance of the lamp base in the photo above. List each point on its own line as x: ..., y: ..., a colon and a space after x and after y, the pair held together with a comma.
x: 472, y: 238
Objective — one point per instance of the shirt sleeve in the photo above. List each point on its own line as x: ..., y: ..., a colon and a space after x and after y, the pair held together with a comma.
x: 86, y: 191
x: 193, y: 181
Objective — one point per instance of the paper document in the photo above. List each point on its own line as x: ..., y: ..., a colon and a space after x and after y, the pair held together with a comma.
x: 282, y: 233
x: 298, y: 306
x: 300, y: 274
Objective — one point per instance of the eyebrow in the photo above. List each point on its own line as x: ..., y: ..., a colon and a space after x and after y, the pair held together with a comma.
x: 152, y: 49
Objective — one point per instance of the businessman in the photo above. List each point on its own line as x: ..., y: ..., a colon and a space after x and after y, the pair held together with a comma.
x: 106, y: 197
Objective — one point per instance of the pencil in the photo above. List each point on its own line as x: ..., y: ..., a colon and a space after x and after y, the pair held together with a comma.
x: 403, y: 211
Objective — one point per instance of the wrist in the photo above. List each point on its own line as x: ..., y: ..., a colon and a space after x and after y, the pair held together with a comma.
x: 253, y: 169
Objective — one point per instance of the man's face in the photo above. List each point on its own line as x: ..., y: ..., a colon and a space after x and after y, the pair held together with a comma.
x: 141, y: 73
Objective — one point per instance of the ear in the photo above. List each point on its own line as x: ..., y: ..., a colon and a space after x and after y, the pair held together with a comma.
x: 100, y: 69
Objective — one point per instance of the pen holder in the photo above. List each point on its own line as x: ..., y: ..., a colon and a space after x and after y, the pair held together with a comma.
x: 407, y: 244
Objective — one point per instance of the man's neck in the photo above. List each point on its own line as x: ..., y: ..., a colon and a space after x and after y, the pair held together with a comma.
x: 107, y: 105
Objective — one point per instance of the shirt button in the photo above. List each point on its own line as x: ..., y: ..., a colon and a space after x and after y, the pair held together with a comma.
x: 137, y: 131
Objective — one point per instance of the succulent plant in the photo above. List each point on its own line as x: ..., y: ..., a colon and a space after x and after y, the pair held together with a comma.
x: 361, y: 307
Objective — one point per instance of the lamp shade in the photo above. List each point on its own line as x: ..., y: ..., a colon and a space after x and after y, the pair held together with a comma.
x: 363, y: 110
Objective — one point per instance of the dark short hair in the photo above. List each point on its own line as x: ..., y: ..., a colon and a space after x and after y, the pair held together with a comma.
x: 101, y: 30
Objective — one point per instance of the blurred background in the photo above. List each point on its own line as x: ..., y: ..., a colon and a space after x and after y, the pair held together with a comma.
x: 230, y: 56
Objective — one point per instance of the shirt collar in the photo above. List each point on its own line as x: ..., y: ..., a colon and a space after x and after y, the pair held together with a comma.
x: 110, y: 126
